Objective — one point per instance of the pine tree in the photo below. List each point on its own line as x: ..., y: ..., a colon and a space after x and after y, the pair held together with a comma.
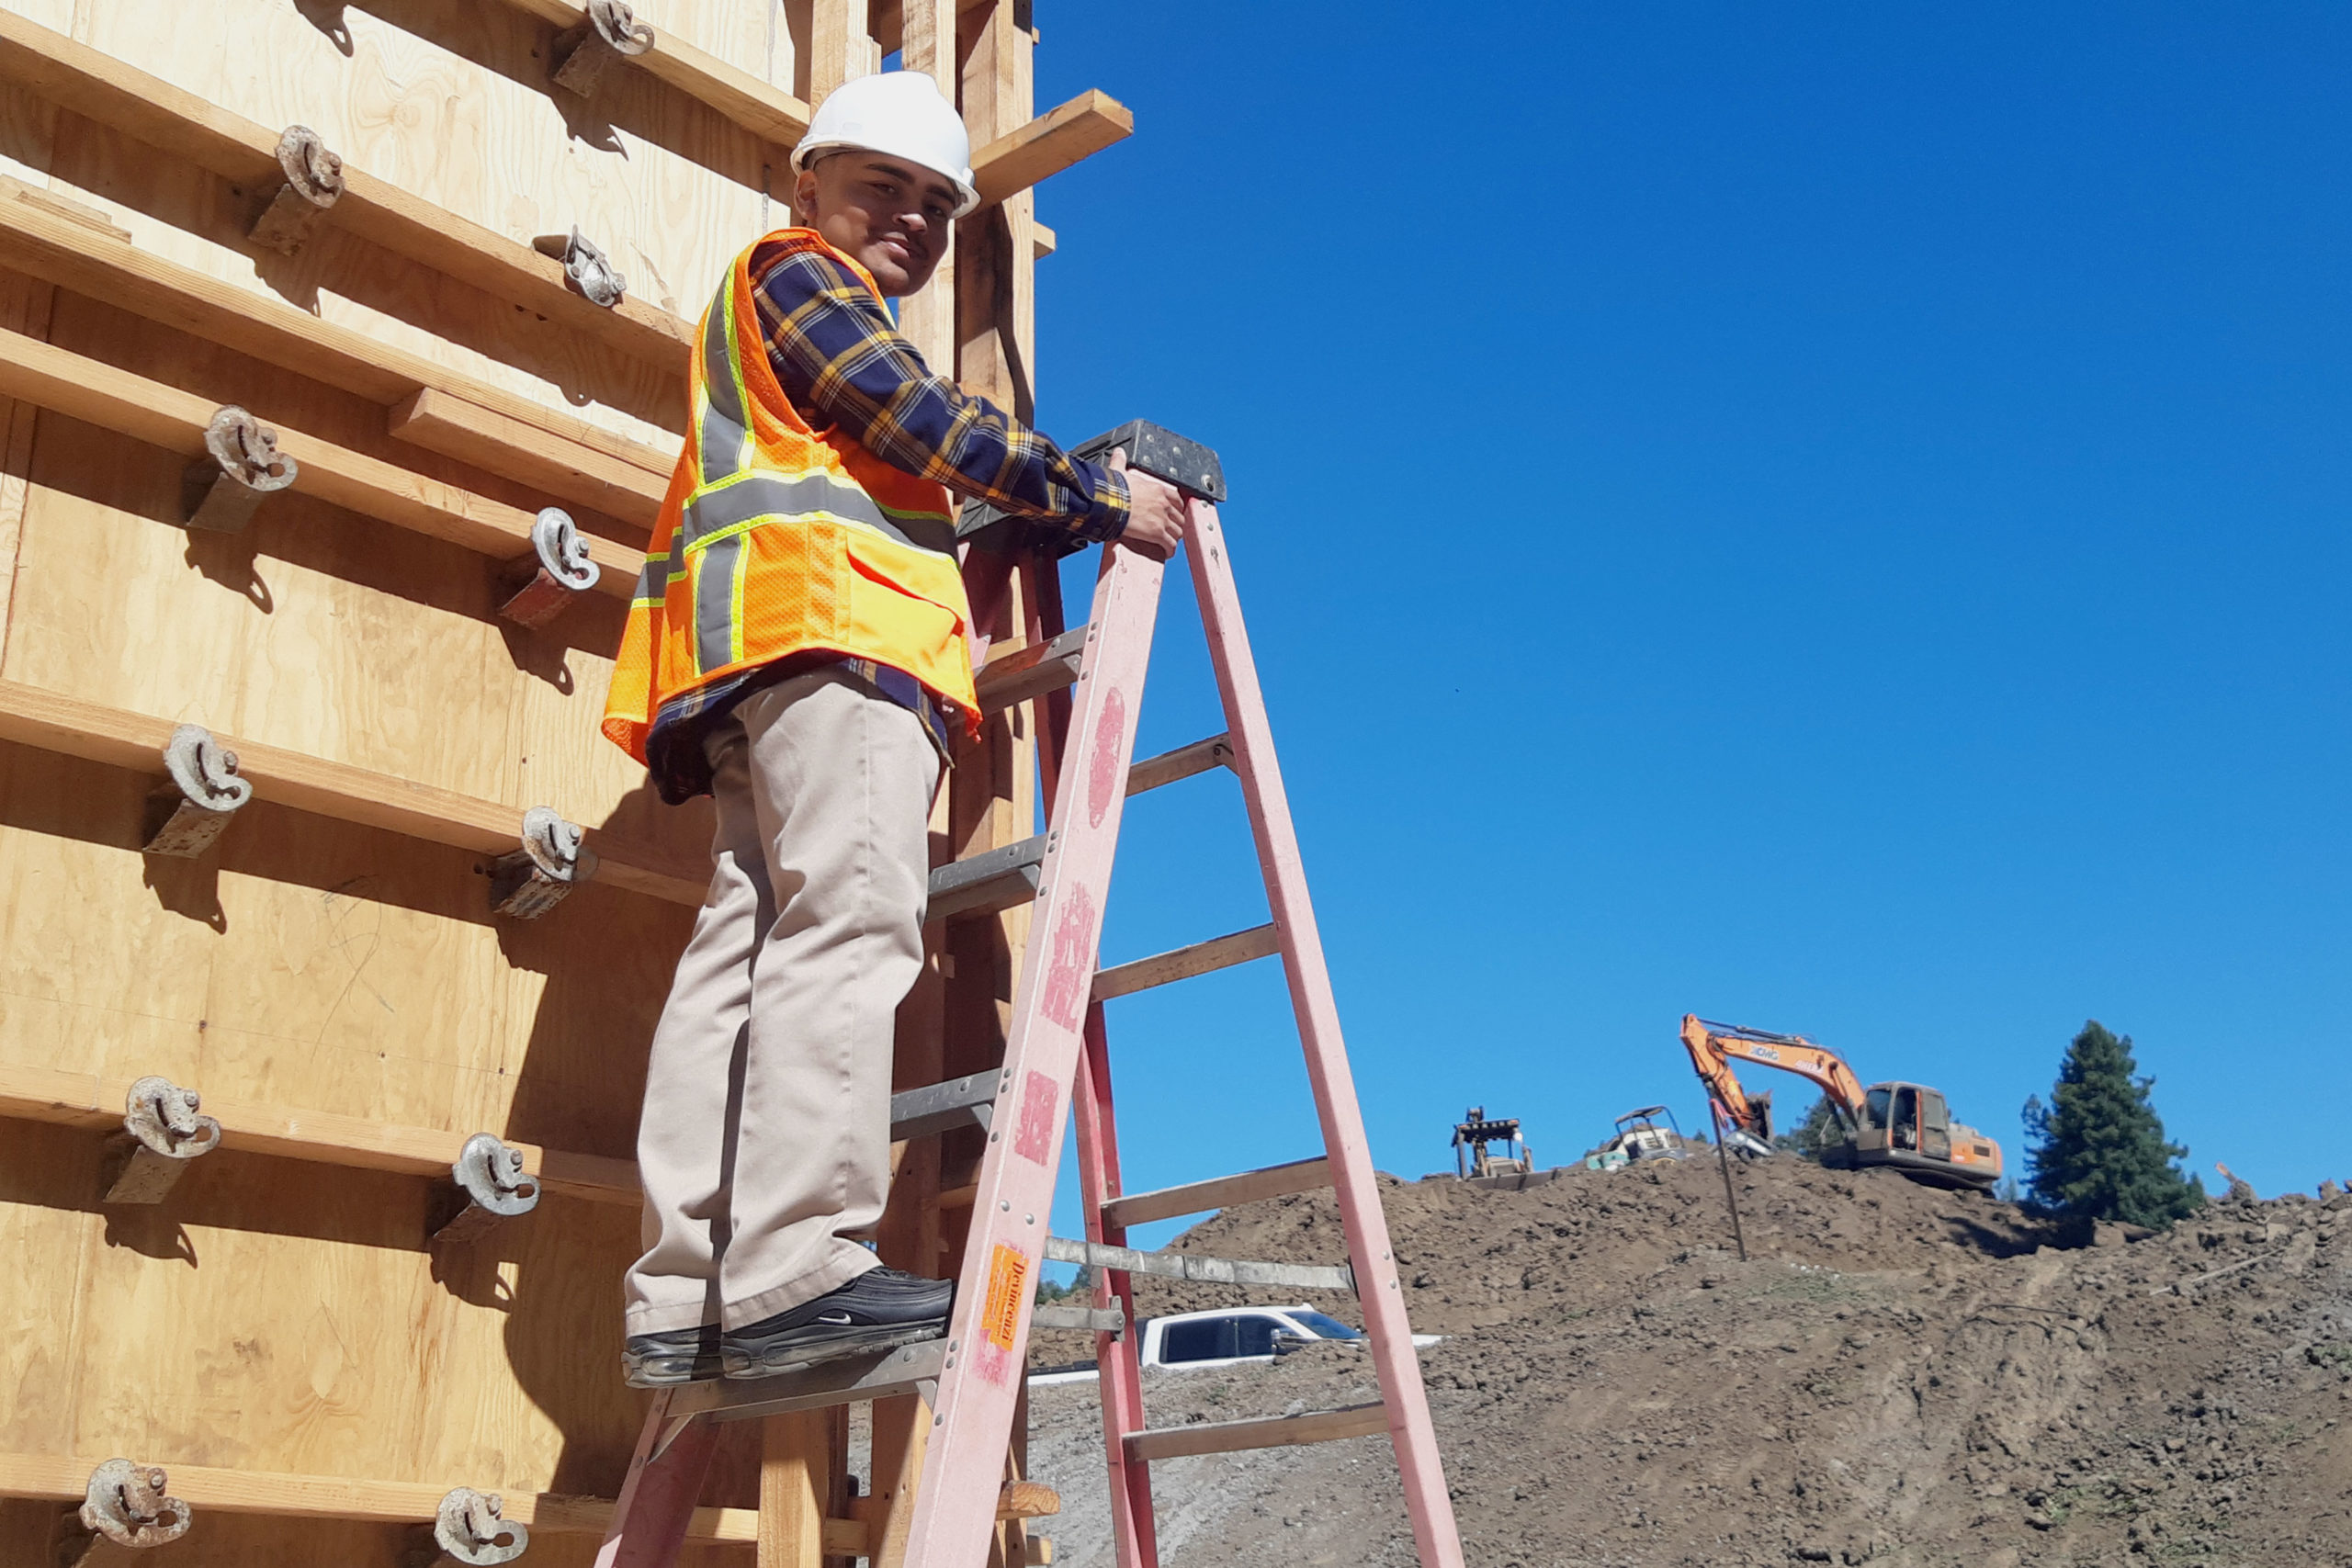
x: 1820, y: 1130
x: 2099, y: 1149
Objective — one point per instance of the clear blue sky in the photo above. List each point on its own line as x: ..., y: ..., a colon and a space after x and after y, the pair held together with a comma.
x: 1827, y: 516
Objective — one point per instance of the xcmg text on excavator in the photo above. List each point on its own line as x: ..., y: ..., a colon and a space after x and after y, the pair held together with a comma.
x: 1908, y: 1126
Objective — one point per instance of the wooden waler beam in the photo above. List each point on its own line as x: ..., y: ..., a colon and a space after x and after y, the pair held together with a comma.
x: 767, y: 112
x: 107, y: 91
x: 50, y: 721
x: 1048, y: 144
x: 85, y: 1099
x: 97, y: 393
x: 443, y: 409
x: 208, y: 1489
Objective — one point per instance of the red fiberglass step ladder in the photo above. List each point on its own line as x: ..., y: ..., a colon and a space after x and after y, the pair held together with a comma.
x: 1056, y: 1060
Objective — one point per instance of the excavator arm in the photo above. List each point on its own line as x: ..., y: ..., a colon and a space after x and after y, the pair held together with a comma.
x: 1715, y: 1046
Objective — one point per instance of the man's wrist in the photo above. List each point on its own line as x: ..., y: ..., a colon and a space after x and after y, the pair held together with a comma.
x: 1113, y: 508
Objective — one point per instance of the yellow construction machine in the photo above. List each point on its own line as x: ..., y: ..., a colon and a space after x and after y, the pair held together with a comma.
x: 1905, y: 1125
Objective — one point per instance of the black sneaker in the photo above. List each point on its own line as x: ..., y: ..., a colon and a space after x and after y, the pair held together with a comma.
x: 663, y: 1361
x: 880, y: 1309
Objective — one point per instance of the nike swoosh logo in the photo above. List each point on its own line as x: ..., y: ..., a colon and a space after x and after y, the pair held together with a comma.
x: 834, y: 1319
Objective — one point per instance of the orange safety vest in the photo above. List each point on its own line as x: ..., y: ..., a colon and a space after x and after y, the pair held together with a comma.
x: 775, y: 538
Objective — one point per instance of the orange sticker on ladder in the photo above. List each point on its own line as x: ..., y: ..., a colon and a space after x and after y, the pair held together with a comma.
x: 1007, y: 1277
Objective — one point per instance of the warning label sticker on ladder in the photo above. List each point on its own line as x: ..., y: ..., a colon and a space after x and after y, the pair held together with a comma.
x: 1008, y: 1276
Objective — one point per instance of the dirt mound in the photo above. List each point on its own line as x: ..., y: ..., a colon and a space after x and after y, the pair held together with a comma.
x: 1897, y: 1376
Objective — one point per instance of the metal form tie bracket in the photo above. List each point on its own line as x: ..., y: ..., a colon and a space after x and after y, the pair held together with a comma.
x: 242, y: 465
x: 590, y: 272
x: 469, y: 1526
x: 161, y: 1132
x: 544, y: 582
x: 554, y: 860
x: 313, y: 181
x: 583, y: 53
x: 186, y: 814
x: 126, y: 1504
x: 490, y: 1186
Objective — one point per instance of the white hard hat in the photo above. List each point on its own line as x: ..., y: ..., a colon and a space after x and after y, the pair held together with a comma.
x: 901, y: 113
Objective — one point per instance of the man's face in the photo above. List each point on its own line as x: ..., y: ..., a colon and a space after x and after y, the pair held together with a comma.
x: 893, y: 217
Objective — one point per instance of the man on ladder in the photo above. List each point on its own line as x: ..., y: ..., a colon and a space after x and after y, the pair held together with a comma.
x: 797, y: 648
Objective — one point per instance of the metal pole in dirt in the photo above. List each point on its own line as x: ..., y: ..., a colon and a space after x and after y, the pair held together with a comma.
x: 1722, y: 1157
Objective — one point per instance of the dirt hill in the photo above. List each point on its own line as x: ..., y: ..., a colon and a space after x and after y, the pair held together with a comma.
x: 1897, y: 1376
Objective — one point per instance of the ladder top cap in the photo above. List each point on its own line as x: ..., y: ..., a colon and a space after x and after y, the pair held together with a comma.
x: 1158, y: 451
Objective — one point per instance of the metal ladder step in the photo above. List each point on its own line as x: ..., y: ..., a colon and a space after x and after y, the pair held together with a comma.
x: 1220, y: 1192
x: 1099, y: 1320
x: 986, y: 883
x: 1206, y: 1270
x: 998, y: 879
x: 944, y: 1107
x: 1273, y: 1432
x: 876, y: 1375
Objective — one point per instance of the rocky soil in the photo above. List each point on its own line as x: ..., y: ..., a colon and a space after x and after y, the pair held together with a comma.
x: 1897, y: 1376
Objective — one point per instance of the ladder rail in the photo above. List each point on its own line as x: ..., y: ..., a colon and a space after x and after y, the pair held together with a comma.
x: 1317, y: 1008
x: 657, y: 1495
x: 1119, y: 1380
x: 987, y: 1329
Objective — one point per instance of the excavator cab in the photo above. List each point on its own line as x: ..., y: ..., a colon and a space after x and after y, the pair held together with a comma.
x: 1909, y: 1126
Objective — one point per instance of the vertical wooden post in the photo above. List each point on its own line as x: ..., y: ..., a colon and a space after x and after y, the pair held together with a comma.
x: 796, y: 1459
x: 997, y: 269
x: 994, y: 317
x: 901, y: 1433
x: 840, y: 46
x: 927, y: 43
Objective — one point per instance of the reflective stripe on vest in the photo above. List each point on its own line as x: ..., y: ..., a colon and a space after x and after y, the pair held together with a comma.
x: 751, y: 498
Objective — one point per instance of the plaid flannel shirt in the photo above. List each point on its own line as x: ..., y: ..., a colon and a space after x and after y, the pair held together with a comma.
x: 839, y: 357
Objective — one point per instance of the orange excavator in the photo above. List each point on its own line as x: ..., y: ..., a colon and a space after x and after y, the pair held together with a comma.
x: 1905, y: 1125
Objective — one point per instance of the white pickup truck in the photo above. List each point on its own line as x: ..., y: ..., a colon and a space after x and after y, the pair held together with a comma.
x: 1224, y: 1336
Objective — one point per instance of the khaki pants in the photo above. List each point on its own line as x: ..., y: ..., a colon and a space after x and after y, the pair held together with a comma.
x: 765, y: 1135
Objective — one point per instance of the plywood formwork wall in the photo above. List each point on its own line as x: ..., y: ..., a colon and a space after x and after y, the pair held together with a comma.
x: 278, y: 1329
